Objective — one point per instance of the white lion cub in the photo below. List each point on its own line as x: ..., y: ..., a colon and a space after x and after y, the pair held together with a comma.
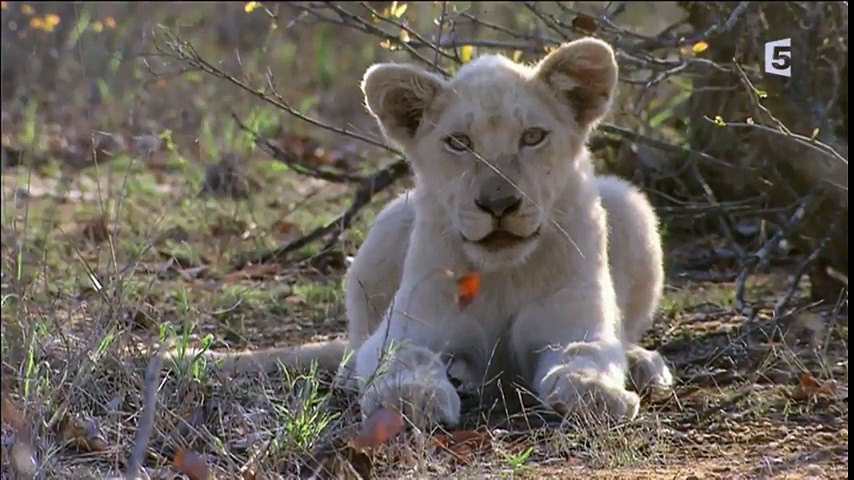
x: 570, y: 262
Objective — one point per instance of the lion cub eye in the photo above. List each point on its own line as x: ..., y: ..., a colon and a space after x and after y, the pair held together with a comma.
x: 533, y: 137
x: 458, y: 142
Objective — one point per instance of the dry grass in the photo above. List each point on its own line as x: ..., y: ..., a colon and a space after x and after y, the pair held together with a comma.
x: 109, y: 249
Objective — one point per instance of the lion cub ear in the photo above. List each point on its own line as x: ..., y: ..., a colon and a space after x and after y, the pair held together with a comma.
x: 397, y: 95
x: 583, y: 73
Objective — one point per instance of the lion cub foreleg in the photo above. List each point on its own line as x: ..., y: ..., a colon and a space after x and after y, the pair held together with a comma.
x: 578, y: 362
x: 403, y: 363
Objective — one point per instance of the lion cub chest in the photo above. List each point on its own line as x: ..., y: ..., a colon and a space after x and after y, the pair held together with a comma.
x: 482, y: 346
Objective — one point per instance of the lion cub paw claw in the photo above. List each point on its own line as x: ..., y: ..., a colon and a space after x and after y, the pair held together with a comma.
x: 571, y: 392
x: 424, y: 401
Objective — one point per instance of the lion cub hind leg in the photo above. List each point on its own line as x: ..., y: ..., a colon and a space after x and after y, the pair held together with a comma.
x: 634, y: 253
x: 649, y: 372
x: 636, y: 260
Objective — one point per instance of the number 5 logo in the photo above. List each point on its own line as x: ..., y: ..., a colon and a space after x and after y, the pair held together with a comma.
x: 778, y: 57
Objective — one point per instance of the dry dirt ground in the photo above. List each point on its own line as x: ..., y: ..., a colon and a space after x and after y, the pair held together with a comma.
x: 90, y: 277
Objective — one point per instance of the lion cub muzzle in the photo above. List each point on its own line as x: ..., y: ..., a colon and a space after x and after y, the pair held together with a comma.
x: 499, y: 198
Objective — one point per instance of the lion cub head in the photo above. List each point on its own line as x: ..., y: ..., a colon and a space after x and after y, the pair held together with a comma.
x: 496, y: 146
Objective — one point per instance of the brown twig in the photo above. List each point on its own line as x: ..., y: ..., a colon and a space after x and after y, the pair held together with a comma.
x: 802, y: 270
x: 762, y: 256
x: 185, y: 52
x: 370, y: 186
x: 146, y: 416
x: 289, y: 159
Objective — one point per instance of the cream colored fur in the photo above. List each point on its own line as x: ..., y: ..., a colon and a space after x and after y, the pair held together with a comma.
x: 566, y: 303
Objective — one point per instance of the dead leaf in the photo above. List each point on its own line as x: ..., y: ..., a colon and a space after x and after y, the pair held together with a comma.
x: 192, y: 273
x: 294, y: 300
x: 172, y: 268
x: 377, y: 429
x: 284, y: 227
x: 810, y: 387
x: 808, y: 381
x: 308, y: 151
x: 187, y: 424
x: 337, y: 458
x: 105, y: 144
x: 228, y: 227
x: 468, y: 286
x: 462, y: 444
x: 253, y: 271
x: 192, y: 465
x: 97, y: 230
x: 585, y: 22
x: 84, y: 435
x: 145, y: 145
x: 24, y: 461
x: 11, y: 415
x: 23, y: 456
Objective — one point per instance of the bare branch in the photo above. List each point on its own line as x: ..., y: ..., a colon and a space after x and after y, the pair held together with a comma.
x: 146, y: 416
x: 761, y: 257
x: 369, y: 187
x: 289, y: 159
x: 185, y: 52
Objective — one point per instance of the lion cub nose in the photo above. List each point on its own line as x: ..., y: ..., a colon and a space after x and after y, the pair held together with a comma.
x: 498, y: 206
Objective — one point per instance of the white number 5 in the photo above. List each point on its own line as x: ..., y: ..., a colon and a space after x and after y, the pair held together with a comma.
x: 778, y: 57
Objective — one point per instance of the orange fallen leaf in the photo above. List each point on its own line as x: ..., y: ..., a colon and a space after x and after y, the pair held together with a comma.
x: 463, y: 443
x: 377, y: 429
x: 467, y: 288
x: 192, y: 465
x: 810, y: 387
x: 808, y: 381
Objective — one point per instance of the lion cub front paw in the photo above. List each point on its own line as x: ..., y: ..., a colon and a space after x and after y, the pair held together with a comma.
x: 423, y: 399
x: 573, y: 392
